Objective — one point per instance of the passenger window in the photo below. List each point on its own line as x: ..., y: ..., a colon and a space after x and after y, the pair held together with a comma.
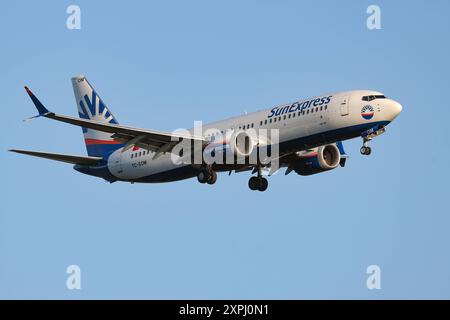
x: 279, y: 118
x: 321, y: 108
x: 326, y: 107
x: 265, y: 121
x: 293, y: 115
x: 284, y: 117
x: 289, y: 116
x: 270, y: 121
x: 307, y: 111
x: 275, y: 120
x: 260, y: 123
x: 317, y: 109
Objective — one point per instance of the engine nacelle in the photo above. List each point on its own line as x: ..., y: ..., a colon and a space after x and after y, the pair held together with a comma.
x: 321, y: 159
x: 242, y: 144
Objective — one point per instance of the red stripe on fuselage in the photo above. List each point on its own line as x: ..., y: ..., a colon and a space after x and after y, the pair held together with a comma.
x: 314, y: 154
x: 96, y: 141
x: 218, y: 143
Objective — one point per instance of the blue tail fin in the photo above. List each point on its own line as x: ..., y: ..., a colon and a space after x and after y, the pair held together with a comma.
x: 90, y: 106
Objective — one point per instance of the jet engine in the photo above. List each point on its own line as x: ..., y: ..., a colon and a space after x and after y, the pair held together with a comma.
x: 320, y: 159
x: 242, y: 144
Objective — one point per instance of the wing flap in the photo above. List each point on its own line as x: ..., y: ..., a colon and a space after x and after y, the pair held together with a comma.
x: 81, y: 160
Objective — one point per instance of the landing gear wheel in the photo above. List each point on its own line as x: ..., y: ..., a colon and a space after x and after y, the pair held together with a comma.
x: 253, y: 183
x: 263, y: 184
x: 258, y: 183
x: 202, y: 177
x: 212, y: 178
x: 365, y: 150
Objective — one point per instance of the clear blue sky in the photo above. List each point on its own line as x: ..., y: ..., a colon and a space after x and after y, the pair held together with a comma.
x: 164, y: 65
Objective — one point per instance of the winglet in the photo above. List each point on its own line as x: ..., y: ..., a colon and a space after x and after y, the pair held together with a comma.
x: 39, y: 106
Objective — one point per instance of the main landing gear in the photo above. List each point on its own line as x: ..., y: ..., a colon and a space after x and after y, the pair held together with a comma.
x: 258, y: 183
x: 207, y: 176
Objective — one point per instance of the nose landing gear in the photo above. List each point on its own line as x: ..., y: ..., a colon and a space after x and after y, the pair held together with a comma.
x: 365, y: 149
x: 369, y: 135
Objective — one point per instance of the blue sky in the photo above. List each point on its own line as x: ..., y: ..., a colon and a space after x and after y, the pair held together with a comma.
x: 162, y: 65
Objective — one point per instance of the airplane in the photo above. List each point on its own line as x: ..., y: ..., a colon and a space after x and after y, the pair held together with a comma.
x: 309, y: 135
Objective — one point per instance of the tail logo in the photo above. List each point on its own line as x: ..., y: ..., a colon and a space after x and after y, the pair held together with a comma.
x: 94, y: 109
x: 367, y: 112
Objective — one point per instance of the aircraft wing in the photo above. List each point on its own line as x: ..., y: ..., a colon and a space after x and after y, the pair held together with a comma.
x: 62, y: 157
x: 157, y: 141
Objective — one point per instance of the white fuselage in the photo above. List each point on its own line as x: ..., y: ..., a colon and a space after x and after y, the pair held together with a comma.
x: 302, y: 125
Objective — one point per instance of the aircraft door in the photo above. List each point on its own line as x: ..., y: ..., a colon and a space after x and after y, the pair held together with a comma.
x: 344, y: 105
x: 117, y: 163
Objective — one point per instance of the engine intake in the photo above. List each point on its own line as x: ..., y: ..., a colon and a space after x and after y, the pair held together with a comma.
x: 242, y: 144
x: 326, y: 158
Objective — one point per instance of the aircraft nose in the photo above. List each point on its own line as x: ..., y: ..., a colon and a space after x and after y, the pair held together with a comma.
x: 395, y: 109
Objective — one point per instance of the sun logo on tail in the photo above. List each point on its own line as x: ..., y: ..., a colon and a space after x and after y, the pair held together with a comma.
x: 95, y: 109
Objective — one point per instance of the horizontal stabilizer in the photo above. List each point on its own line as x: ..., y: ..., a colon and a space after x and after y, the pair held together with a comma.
x: 81, y: 160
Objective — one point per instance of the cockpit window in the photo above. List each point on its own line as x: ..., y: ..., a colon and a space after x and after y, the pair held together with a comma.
x: 370, y: 98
